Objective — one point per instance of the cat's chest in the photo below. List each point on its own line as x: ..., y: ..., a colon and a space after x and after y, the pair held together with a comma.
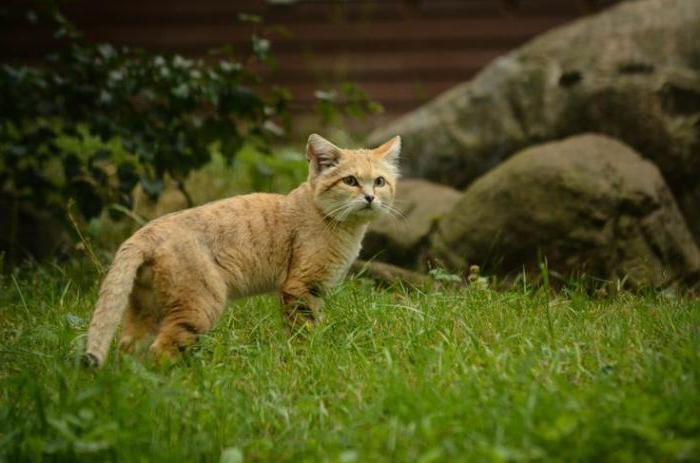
x: 326, y: 259
x: 339, y: 257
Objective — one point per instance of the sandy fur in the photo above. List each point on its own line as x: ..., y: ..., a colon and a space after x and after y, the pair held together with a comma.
x: 174, y: 275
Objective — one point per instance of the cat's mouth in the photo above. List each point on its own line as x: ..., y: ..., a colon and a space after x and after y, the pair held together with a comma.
x: 369, y: 209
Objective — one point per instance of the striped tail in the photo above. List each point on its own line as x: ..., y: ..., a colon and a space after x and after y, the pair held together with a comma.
x: 112, y: 302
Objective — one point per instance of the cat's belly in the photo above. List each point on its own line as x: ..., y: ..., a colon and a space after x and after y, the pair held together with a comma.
x: 245, y: 287
x: 248, y: 277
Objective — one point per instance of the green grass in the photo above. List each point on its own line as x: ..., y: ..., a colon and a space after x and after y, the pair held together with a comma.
x: 393, y: 375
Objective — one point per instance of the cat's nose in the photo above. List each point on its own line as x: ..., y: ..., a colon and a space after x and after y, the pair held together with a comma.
x: 369, y: 198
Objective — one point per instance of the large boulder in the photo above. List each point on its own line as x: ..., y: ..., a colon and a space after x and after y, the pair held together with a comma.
x: 632, y: 72
x: 588, y: 204
x: 400, y: 238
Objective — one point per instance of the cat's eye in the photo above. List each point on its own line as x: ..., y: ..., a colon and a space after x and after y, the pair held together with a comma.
x: 379, y: 181
x: 350, y: 180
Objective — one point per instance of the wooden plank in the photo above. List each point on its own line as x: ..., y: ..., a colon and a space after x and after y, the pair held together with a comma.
x: 387, y: 36
x: 402, y: 52
x: 387, y: 93
x: 394, y: 31
x: 211, y: 11
x: 414, y: 59
x: 413, y: 65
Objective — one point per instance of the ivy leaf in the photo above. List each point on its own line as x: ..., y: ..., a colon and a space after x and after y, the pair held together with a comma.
x: 261, y: 48
x: 250, y: 18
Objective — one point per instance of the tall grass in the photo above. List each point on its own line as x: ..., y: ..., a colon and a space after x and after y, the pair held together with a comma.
x: 422, y: 375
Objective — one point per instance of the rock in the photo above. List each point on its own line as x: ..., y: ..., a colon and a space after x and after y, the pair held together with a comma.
x: 400, y: 238
x: 632, y: 72
x: 589, y: 204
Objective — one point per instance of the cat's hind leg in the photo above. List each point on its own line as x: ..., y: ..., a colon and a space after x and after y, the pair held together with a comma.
x: 193, y: 295
x: 184, y: 321
x: 140, y: 327
x: 143, y: 314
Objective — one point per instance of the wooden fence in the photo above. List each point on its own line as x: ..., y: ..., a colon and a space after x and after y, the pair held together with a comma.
x: 403, y: 52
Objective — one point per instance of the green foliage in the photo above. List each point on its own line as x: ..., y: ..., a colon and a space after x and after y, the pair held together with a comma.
x: 347, y: 101
x: 281, y: 172
x: 93, y: 121
x: 108, y: 118
x: 391, y: 375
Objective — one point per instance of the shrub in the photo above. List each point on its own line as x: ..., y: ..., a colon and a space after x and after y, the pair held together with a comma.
x: 94, y: 120
x: 140, y: 116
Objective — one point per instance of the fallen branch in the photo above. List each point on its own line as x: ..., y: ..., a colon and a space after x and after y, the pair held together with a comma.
x: 388, y: 273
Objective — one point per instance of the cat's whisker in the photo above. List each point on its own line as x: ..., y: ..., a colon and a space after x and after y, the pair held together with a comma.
x: 347, y: 211
x: 395, y: 210
x: 394, y: 213
x: 331, y: 222
x: 335, y: 216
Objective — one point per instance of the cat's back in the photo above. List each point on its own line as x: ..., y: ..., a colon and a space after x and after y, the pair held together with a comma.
x: 224, y: 212
x: 250, y: 238
x: 243, y: 218
x: 249, y: 215
x: 245, y: 237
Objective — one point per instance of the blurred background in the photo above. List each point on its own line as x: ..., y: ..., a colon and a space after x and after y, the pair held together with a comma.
x: 536, y: 133
x: 401, y: 52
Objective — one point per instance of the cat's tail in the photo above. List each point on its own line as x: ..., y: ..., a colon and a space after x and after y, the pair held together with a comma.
x: 112, y: 302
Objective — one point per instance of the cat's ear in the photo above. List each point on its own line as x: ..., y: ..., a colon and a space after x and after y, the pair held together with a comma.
x: 390, y: 151
x: 321, y: 154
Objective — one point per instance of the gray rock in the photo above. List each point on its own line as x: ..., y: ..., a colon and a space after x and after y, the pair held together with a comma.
x: 401, y: 238
x: 632, y: 72
x: 589, y: 204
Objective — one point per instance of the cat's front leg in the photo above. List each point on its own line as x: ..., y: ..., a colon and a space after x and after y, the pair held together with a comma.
x: 301, y: 305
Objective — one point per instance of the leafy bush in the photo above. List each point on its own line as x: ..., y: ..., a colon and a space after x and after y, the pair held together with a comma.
x: 93, y: 121
x: 147, y: 115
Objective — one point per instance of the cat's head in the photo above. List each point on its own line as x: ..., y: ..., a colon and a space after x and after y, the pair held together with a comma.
x: 353, y: 184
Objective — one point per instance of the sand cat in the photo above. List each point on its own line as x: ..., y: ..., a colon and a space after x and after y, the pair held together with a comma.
x: 174, y: 275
